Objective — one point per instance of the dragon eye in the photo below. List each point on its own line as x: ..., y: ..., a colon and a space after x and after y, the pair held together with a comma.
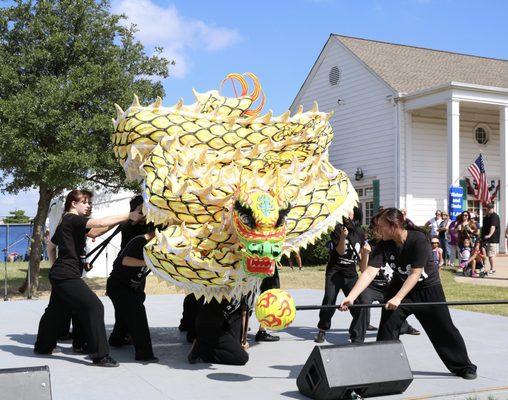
x: 282, y: 216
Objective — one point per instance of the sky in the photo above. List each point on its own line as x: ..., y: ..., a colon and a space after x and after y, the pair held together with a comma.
x: 279, y: 41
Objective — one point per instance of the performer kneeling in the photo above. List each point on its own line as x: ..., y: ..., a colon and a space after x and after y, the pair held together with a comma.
x: 221, y: 334
x: 126, y: 289
x: 415, y: 279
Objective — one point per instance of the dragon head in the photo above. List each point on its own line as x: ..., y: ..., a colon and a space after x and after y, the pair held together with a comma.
x: 259, y: 220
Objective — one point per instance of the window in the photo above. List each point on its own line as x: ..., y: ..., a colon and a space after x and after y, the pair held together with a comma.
x: 334, y: 76
x: 473, y: 206
x: 366, y: 203
x: 481, y: 134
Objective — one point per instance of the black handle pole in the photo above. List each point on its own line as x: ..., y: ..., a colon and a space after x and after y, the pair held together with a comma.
x: 432, y: 303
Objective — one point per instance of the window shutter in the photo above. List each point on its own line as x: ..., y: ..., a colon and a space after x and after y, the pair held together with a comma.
x: 463, y: 183
x: 375, y: 195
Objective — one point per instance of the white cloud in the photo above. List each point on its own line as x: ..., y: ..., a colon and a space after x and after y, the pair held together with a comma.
x: 164, y: 26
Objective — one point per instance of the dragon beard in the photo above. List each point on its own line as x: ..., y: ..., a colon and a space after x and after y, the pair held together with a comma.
x: 236, y: 191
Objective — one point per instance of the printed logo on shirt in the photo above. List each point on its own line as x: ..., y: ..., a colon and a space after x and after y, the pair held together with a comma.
x: 407, y: 270
x: 387, y: 271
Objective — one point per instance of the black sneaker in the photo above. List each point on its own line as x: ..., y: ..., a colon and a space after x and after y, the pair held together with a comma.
x: 320, y: 337
x: 371, y: 328
x: 469, y: 375
x: 193, y: 357
x: 264, y: 336
x: 106, y: 361
x: 413, y: 331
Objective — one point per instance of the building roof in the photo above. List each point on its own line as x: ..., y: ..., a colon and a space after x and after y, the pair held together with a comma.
x: 408, y: 69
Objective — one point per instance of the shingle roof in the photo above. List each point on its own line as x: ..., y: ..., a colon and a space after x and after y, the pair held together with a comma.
x: 408, y: 69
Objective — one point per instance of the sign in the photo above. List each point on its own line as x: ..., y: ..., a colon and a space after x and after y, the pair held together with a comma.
x: 455, y: 201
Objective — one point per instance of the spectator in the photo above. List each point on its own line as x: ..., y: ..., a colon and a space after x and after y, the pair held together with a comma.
x: 477, y: 260
x: 451, y: 238
x: 434, y: 223
x: 490, y: 235
x: 437, y: 253
x: 465, y: 254
x: 465, y: 228
x: 443, y: 230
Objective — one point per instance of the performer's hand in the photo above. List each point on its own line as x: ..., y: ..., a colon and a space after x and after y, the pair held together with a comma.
x: 87, y: 267
x: 393, y: 303
x: 344, y: 232
x: 245, y: 346
x: 345, y: 303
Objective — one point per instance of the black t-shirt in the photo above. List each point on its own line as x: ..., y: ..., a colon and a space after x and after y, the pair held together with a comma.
x: 70, y: 238
x: 385, y: 274
x: 130, y: 231
x: 416, y: 250
x: 488, y: 221
x: 346, y: 263
x: 133, y: 249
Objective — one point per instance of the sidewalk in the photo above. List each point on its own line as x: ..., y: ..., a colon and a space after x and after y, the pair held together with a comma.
x: 500, y: 278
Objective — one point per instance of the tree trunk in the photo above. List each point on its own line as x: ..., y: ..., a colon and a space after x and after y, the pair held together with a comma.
x: 45, y: 197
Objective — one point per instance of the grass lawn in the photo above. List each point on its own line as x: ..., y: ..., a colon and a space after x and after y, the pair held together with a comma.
x: 308, y: 278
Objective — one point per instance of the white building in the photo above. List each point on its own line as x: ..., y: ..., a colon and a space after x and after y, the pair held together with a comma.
x: 412, y: 119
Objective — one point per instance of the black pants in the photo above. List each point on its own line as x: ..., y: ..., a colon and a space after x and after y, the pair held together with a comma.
x: 67, y: 296
x: 270, y: 282
x: 130, y: 316
x: 218, y: 338
x: 335, y: 281
x: 191, y: 307
x: 361, y: 320
x: 435, y: 320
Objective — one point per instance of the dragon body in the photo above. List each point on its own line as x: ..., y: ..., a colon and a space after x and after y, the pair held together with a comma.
x: 234, y: 190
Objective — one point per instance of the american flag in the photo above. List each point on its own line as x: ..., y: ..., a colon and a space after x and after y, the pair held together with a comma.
x: 477, y: 170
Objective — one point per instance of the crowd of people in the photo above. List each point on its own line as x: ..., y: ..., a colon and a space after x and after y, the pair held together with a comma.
x: 463, y: 244
x: 399, y: 265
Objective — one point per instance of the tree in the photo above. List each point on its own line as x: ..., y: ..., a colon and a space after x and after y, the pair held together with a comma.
x: 63, y: 65
x: 17, y: 217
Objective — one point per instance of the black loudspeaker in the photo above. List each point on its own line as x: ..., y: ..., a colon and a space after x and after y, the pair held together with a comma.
x: 367, y: 369
x: 29, y: 383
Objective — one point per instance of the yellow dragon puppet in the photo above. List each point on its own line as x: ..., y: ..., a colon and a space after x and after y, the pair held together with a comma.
x: 234, y: 190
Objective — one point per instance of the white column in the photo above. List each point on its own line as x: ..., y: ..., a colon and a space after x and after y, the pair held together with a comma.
x: 408, y: 187
x: 503, y: 135
x: 453, y: 156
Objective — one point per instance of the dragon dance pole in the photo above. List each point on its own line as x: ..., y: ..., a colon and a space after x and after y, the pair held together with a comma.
x: 431, y: 303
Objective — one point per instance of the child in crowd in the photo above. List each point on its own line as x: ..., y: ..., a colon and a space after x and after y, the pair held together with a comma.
x: 437, y: 253
x: 465, y: 254
x: 477, y: 260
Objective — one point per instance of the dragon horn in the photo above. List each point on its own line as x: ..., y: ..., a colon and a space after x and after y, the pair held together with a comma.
x: 285, y: 117
x: 266, y: 118
x: 158, y: 102
x: 179, y: 104
x: 135, y: 102
x: 119, y: 111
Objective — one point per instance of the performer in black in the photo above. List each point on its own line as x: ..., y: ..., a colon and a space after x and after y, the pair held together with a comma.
x: 347, y: 241
x: 376, y: 291
x: 129, y: 230
x: 126, y: 289
x: 68, y: 291
x: 221, y: 334
x: 415, y: 279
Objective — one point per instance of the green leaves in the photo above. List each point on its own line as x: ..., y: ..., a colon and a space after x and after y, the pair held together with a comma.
x: 63, y: 65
